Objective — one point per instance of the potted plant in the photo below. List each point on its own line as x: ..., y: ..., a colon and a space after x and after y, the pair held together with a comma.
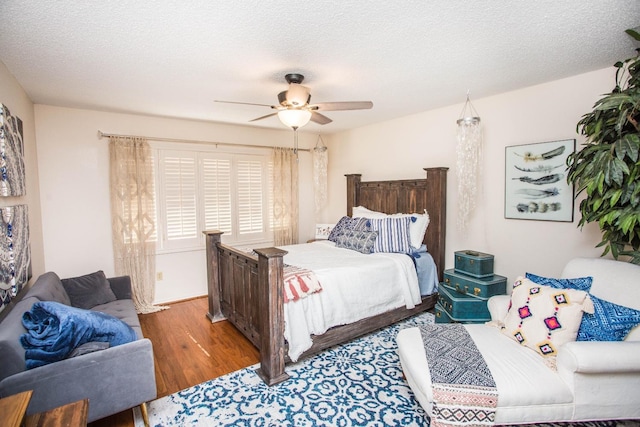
x: 608, y: 167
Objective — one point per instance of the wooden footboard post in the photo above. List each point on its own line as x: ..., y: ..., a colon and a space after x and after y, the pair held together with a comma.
x: 271, y: 296
x: 213, y: 275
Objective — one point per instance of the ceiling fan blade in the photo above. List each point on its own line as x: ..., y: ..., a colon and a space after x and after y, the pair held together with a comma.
x: 335, y: 106
x: 320, y: 118
x: 244, y: 103
x: 263, y: 117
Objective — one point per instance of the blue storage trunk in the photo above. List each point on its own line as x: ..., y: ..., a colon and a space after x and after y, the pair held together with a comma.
x: 460, y: 306
x: 443, y: 317
x: 473, y: 263
x: 480, y: 287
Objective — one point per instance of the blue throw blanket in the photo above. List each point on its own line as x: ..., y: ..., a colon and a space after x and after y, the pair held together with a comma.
x: 54, y: 330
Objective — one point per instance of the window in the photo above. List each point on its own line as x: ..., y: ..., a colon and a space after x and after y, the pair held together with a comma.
x: 216, y: 178
x: 250, y: 181
x: 200, y: 191
x: 179, y: 201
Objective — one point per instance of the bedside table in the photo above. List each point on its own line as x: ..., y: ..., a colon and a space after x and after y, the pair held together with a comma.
x: 14, y: 407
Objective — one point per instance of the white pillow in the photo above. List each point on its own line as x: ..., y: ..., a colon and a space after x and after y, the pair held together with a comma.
x: 362, y: 212
x: 417, y: 227
x: 543, y: 318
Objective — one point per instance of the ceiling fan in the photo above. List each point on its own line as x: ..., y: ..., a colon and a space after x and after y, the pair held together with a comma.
x: 294, y: 108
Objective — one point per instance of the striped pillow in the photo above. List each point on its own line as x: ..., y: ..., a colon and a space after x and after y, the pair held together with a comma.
x: 393, y: 234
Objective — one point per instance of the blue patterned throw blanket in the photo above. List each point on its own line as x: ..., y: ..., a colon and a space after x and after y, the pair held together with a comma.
x: 54, y: 330
x: 464, y: 392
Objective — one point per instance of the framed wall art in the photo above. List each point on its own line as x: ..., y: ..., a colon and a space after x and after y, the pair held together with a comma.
x: 536, y: 185
x: 15, y: 255
x: 323, y: 230
x: 12, y: 176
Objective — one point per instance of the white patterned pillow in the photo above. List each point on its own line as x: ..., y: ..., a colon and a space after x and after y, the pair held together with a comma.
x: 393, y: 234
x: 543, y: 318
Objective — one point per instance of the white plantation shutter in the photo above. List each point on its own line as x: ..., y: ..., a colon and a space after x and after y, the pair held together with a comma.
x: 179, y: 202
x: 207, y: 190
x: 216, y: 183
x: 250, y: 182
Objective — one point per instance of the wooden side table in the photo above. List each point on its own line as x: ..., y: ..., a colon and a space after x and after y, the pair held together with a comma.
x: 14, y: 407
x: 70, y: 415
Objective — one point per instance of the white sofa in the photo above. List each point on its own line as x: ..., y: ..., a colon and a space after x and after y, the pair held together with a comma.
x: 593, y: 381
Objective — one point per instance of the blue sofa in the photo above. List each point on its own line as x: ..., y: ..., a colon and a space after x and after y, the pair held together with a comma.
x: 113, y: 379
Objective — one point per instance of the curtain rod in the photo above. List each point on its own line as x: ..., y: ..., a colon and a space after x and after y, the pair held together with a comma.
x: 190, y: 141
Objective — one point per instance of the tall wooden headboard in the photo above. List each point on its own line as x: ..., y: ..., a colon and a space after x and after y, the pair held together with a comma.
x: 408, y: 196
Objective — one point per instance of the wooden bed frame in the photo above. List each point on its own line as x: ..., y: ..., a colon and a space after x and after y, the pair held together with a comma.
x: 247, y: 290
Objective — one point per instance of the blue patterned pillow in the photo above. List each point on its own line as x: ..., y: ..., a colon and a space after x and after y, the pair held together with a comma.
x: 393, y: 234
x: 609, y: 322
x: 360, y: 224
x: 357, y: 240
x: 344, y: 222
x: 580, y: 283
x: 347, y: 223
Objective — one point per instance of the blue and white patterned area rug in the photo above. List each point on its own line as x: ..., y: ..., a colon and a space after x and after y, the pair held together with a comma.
x: 356, y: 384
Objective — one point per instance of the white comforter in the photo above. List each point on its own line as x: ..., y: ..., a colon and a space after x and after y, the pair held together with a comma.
x: 354, y: 286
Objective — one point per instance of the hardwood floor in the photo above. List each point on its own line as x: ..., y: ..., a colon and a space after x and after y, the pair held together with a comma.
x: 188, y: 350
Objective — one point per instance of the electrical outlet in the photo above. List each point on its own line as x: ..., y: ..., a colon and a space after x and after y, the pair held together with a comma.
x: 159, y: 275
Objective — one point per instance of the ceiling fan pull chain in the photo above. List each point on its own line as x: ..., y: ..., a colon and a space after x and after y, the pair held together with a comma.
x: 295, y: 143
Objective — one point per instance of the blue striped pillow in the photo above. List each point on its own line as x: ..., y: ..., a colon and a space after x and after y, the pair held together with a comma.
x: 393, y: 234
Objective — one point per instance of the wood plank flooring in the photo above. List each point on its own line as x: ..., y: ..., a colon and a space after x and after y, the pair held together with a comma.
x: 188, y: 350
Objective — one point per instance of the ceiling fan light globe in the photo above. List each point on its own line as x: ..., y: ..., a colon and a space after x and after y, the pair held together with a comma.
x: 294, y: 118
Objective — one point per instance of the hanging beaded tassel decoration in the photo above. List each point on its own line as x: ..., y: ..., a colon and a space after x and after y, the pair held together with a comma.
x: 469, y: 155
x: 320, y: 163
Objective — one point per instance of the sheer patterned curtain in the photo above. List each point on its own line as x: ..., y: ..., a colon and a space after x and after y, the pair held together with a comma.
x: 285, y: 196
x: 133, y: 217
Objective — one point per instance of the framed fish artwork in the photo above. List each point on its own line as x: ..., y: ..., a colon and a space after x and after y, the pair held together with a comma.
x: 536, y: 181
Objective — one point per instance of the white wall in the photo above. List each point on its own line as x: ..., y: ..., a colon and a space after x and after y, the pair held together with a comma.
x: 15, y: 98
x: 401, y: 148
x: 73, y: 168
x: 74, y: 181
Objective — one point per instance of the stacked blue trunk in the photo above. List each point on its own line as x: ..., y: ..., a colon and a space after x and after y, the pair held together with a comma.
x: 466, y: 288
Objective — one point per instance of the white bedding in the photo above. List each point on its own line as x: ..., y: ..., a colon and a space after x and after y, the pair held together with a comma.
x: 355, y: 286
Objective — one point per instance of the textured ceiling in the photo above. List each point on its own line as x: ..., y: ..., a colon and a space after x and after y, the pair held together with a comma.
x: 174, y: 58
